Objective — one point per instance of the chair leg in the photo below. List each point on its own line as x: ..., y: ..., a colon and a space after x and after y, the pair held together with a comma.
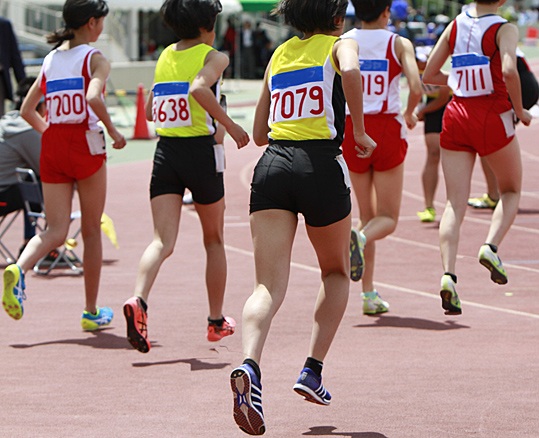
x: 4, y: 251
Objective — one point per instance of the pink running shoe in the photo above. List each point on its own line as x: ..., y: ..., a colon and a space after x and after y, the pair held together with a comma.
x: 137, y: 329
x: 216, y: 333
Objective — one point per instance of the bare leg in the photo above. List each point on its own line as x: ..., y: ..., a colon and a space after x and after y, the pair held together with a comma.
x: 490, y: 177
x: 58, y: 199
x: 429, y: 177
x: 212, y: 220
x: 379, y: 213
x: 332, y: 244
x: 507, y: 168
x: 273, y: 234
x: 457, y: 168
x: 92, y: 192
x: 166, y: 212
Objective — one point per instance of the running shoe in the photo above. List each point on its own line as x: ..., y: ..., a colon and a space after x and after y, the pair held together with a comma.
x: 247, y: 391
x: 450, y: 299
x: 428, y: 215
x: 309, y: 385
x: 216, y: 333
x: 137, y: 328
x: 13, y: 291
x: 357, y: 261
x: 373, y: 303
x: 490, y: 260
x: 102, y: 318
x: 484, y: 201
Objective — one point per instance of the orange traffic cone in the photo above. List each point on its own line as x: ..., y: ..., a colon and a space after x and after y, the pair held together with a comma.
x: 141, y: 125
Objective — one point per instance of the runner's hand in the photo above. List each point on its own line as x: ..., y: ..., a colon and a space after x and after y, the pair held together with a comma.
x: 118, y: 140
x: 364, y: 145
x: 239, y: 135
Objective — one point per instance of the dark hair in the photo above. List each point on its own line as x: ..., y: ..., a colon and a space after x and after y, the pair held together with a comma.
x: 76, y: 13
x: 370, y: 10
x: 312, y: 15
x: 187, y: 17
x: 22, y: 90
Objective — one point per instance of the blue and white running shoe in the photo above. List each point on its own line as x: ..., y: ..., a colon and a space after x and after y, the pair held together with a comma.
x: 309, y: 385
x: 102, y: 318
x: 247, y: 392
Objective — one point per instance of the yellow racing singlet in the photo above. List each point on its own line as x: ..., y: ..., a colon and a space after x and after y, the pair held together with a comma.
x: 307, y: 100
x: 175, y: 112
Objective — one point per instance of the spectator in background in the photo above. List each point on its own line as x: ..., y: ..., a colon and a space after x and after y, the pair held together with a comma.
x: 262, y: 45
x: 248, y: 59
x: 20, y: 146
x: 399, y: 10
x: 229, y: 46
x: 10, y: 58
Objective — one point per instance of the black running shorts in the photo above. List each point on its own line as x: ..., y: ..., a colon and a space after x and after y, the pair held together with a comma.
x: 181, y: 163
x: 307, y: 177
x: 433, y: 120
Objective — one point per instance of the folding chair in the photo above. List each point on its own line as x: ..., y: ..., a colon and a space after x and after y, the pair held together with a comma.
x: 5, y: 224
x: 32, y: 196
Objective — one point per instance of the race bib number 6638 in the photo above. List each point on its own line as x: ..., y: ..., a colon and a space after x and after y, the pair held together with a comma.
x: 297, y: 95
x: 170, y: 105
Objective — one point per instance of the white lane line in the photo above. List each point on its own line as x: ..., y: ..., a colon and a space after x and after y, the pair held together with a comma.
x: 400, y: 288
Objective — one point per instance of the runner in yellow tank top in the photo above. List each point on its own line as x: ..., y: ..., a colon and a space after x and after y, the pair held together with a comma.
x: 300, y: 113
x: 184, y: 105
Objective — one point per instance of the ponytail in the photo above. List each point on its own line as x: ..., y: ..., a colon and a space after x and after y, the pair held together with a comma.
x: 59, y: 36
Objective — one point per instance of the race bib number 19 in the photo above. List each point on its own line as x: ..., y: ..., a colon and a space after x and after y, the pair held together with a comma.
x: 470, y: 75
x: 375, y: 77
x: 297, y: 95
x: 170, y: 106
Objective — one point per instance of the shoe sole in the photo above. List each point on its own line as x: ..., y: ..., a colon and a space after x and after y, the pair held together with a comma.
x: 246, y: 416
x: 309, y: 395
x: 9, y: 301
x: 134, y: 337
x: 91, y: 326
x: 450, y: 309
x: 495, y: 275
x: 356, y: 261
x: 375, y: 312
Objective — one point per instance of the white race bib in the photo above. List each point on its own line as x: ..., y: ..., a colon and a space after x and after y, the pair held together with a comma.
x: 170, y: 106
x: 375, y: 77
x: 470, y: 75
x: 297, y: 95
x: 66, y: 101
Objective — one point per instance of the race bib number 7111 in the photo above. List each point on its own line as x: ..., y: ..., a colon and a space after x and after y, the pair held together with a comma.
x: 470, y: 75
x: 297, y: 95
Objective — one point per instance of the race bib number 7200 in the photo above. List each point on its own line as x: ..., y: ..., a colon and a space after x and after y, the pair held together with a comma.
x: 297, y: 95
x: 170, y: 106
x: 66, y: 101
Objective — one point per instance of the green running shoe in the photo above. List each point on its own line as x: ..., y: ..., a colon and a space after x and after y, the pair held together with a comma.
x: 373, y: 303
x: 428, y: 215
x: 13, y: 291
x: 450, y: 299
x: 490, y: 260
x: 357, y: 261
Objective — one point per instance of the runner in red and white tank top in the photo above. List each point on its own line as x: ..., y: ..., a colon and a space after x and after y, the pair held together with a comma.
x: 377, y: 180
x: 479, y: 120
x: 72, y: 80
